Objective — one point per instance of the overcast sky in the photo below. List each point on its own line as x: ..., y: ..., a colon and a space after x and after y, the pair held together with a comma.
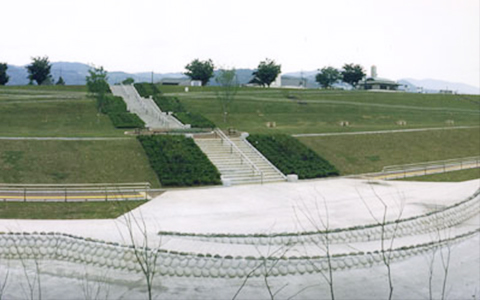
x: 419, y: 39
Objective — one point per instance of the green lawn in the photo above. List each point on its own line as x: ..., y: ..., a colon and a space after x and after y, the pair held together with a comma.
x: 112, y: 161
x: 61, y: 210
x: 354, y: 154
x: 60, y: 118
x: 314, y: 111
x: 455, y: 176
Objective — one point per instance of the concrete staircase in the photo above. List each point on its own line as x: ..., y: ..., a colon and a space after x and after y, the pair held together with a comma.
x: 145, y: 108
x: 237, y: 161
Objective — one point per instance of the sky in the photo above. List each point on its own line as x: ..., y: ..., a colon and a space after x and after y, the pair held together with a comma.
x: 438, y: 39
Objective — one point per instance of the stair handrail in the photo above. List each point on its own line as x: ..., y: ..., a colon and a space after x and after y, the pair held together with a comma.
x: 239, y: 152
x: 262, y: 156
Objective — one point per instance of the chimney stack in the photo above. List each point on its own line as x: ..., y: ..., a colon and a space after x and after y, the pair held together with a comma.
x: 373, y: 71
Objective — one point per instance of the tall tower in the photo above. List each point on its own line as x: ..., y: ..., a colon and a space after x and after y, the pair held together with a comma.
x: 373, y: 71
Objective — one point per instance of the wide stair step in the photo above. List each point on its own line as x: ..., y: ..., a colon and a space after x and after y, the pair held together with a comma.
x: 233, y: 166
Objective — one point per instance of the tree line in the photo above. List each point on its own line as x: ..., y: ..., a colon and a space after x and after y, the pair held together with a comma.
x: 265, y: 74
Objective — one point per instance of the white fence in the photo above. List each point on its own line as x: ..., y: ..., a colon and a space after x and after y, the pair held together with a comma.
x: 73, y: 192
x: 426, y: 168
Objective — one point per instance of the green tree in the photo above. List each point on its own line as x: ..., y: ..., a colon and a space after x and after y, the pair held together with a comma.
x: 97, y: 85
x: 200, y: 70
x: 39, y: 70
x: 60, y: 81
x: 266, y: 73
x: 328, y: 76
x: 3, y: 74
x: 352, y: 74
x: 129, y: 80
x: 227, y: 79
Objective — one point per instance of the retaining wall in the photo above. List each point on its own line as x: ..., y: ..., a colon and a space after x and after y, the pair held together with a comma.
x: 55, y: 246
x: 429, y: 222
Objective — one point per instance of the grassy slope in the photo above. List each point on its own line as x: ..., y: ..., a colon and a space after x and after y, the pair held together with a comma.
x: 370, y: 153
x: 66, y: 119
x: 61, y: 210
x: 455, y: 176
x: 74, y: 162
x: 317, y: 111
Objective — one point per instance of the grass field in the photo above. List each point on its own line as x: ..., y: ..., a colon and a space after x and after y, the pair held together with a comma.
x: 63, y: 118
x: 353, y: 154
x: 455, y: 176
x: 113, y: 161
x: 33, y: 111
x: 61, y: 210
x: 314, y: 111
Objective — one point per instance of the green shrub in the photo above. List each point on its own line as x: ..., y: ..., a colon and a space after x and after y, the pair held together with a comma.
x: 126, y: 120
x: 146, y: 89
x: 292, y: 157
x: 172, y: 104
x: 111, y: 104
x: 167, y: 104
x: 195, y: 120
x: 178, y: 161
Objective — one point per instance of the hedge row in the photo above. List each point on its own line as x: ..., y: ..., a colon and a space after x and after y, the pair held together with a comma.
x: 126, y: 120
x: 146, y: 89
x: 195, y: 120
x: 116, y: 109
x: 178, y: 161
x: 169, y: 104
x: 292, y: 157
x: 172, y: 104
x: 111, y: 104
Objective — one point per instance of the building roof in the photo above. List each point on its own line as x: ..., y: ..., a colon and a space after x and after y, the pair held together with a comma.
x: 378, y: 80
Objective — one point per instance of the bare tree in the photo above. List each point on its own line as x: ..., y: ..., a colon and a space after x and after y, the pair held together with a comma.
x: 4, y: 281
x: 227, y: 79
x: 34, y: 287
x: 266, y: 264
x: 386, y: 252
x: 146, y: 253
x: 321, y: 227
x: 94, y: 288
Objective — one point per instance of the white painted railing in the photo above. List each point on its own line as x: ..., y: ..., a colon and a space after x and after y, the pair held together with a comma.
x: 73, y: 192
x: 263, y: 157
x: 234, y: 149
x: 432, y: 167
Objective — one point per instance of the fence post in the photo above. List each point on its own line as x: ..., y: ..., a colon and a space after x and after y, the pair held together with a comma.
x: 65, y: 194
x: 24, y: 194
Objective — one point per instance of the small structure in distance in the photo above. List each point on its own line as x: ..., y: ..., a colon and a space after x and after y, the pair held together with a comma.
x: 377, y: 83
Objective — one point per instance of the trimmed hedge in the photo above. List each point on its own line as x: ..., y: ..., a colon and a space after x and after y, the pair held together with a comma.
x: 146, y: 90
x: 292, y: 157
x: 126, y: 120
x: 116, y: 109
x: 178, y: 161
x: 111, y: 104
x: 172, y: 104
x: 195, y: 120
x: 169, y: 104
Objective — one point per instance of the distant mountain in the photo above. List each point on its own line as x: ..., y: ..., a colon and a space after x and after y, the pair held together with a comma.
x: 75, y: 73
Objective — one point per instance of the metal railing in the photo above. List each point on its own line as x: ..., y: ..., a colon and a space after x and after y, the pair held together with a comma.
x: 432, y: 167
x: 234, y: 149
x: 73, y: 192
x: 263, y: 157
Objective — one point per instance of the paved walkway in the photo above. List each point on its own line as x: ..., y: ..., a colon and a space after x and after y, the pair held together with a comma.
x: 52, y: 138
x: 382, y: 131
